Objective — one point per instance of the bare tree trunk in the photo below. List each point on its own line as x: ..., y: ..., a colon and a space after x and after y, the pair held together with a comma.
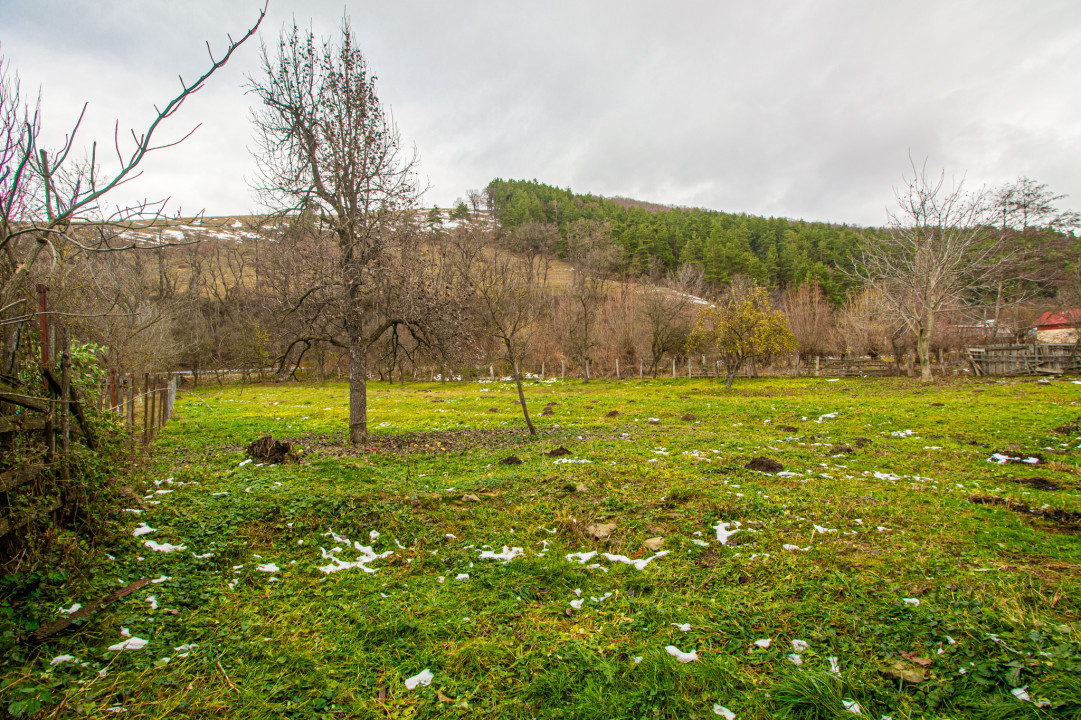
x: 358, y: 389
x: 923, y: 346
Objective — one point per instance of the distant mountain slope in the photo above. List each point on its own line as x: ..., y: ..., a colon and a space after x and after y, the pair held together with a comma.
x: 777, y: 252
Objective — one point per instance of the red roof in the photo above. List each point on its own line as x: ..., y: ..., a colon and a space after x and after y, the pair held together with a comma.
x: 1055, y: 319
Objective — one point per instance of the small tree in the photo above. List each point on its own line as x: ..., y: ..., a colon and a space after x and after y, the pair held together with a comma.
x: 509, y: 307
x: 742, y: 327
x: 594, y: 257
x: 668, y: 307
x: 810, y: 318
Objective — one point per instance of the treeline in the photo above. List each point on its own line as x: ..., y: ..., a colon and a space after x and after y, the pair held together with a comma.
x: 776, y: 252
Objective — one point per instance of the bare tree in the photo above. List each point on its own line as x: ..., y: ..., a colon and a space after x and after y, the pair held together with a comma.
x: 810, y: 319
x: 54, y: 205
x: 594, y: 257
x: 509, y: 308
x: 938, y: 249
x: 326, y: 145
x: 669, y: 306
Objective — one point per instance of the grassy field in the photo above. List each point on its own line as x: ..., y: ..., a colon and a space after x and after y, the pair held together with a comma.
x: 894, y: 566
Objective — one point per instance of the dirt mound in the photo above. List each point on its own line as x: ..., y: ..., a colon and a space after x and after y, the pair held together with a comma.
x: 765, y: 464
x: 613, y: 413
x: 558, y: 452
x: 275, y: 452
x: 493, y: 409
x: 788, y: 428
x: 1037, y: 482
x: 511, y: 460
x: 1063, y: 519
x: 861, y: 442
x: 1067, y: 429
x: 688, y: 417
x: 842, y: 449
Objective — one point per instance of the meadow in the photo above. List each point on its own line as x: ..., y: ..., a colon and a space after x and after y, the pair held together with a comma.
x: 911, y: 552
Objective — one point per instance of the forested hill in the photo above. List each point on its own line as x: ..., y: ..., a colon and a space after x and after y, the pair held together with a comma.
x: 777, y: 252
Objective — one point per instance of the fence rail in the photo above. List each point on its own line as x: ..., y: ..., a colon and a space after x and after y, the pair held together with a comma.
x: 1034, y: 359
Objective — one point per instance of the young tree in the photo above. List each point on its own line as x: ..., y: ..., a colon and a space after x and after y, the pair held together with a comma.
x: 938, y: 250
x: 810, y: 319
x: 326, y: 145
x: 509, y: 308
x: 742, y: 327
x: 668, y: 307
x: 594, y: 257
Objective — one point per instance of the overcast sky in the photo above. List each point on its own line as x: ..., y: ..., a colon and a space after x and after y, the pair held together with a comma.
x: 797, y: 109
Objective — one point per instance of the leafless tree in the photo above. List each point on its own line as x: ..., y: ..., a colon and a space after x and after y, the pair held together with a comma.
x: 536, y: 243
x: 938, y: 249
x: 594, y: 258
x: 510, y: 306
x: 669, y: 307
x: 810, y: 319
x: 327, y: 146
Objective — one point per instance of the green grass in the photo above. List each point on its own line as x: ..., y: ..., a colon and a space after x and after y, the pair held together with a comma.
x: 506, y: 642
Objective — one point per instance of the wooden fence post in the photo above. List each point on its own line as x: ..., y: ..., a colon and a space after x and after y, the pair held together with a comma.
x: 639, y: 369
x: 673, y: 368
x: 146, y: 409
x: 65, y: 400
x: 617, y: 370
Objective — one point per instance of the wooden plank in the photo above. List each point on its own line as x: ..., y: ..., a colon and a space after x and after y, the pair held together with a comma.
x: 20, y: 423
x: 24, y: 401
x: 46, y: 631
x: 20, y: 476
x: 8, y: 524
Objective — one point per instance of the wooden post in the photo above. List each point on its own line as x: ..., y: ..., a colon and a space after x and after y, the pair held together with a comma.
x: 617, y: 370
x: 43, y: 322
x: 112, y: 388
x: 562, y: 369
x: 542, y: 370
x: 639, y: 369
x: 146, y: 408
x: 673, y: 368
x: 131, y: 402
x: 587, y: 371
x: 65, y: 400
x: 153, y: 406
x: 818, y: 360
x: 690, y: 367
x: 491, y: 372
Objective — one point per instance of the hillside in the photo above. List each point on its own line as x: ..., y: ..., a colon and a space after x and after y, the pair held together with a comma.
x: 777, y: 252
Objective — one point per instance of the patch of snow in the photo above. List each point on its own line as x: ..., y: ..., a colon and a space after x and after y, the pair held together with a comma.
x: 424, y: 677
x: 680, y: 655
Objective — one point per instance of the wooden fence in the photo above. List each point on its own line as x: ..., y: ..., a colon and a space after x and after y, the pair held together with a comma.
x: 1034, y: 359
x: 37, y: 431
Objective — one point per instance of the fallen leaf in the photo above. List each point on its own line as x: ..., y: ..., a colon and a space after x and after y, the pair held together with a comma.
x: 914, y: 658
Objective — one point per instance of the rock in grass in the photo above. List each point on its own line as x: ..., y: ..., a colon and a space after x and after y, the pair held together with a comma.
x: 654, y: 544
x: 470, y: 498
x: 901, y: 671
x: 581, y: 487
x: 558, y: 452
x: 511, y: 460
x: 601, y: 531
x: 765, y: 464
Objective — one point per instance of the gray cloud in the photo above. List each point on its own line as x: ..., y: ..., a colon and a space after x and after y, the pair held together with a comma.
x: 807, y: 112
